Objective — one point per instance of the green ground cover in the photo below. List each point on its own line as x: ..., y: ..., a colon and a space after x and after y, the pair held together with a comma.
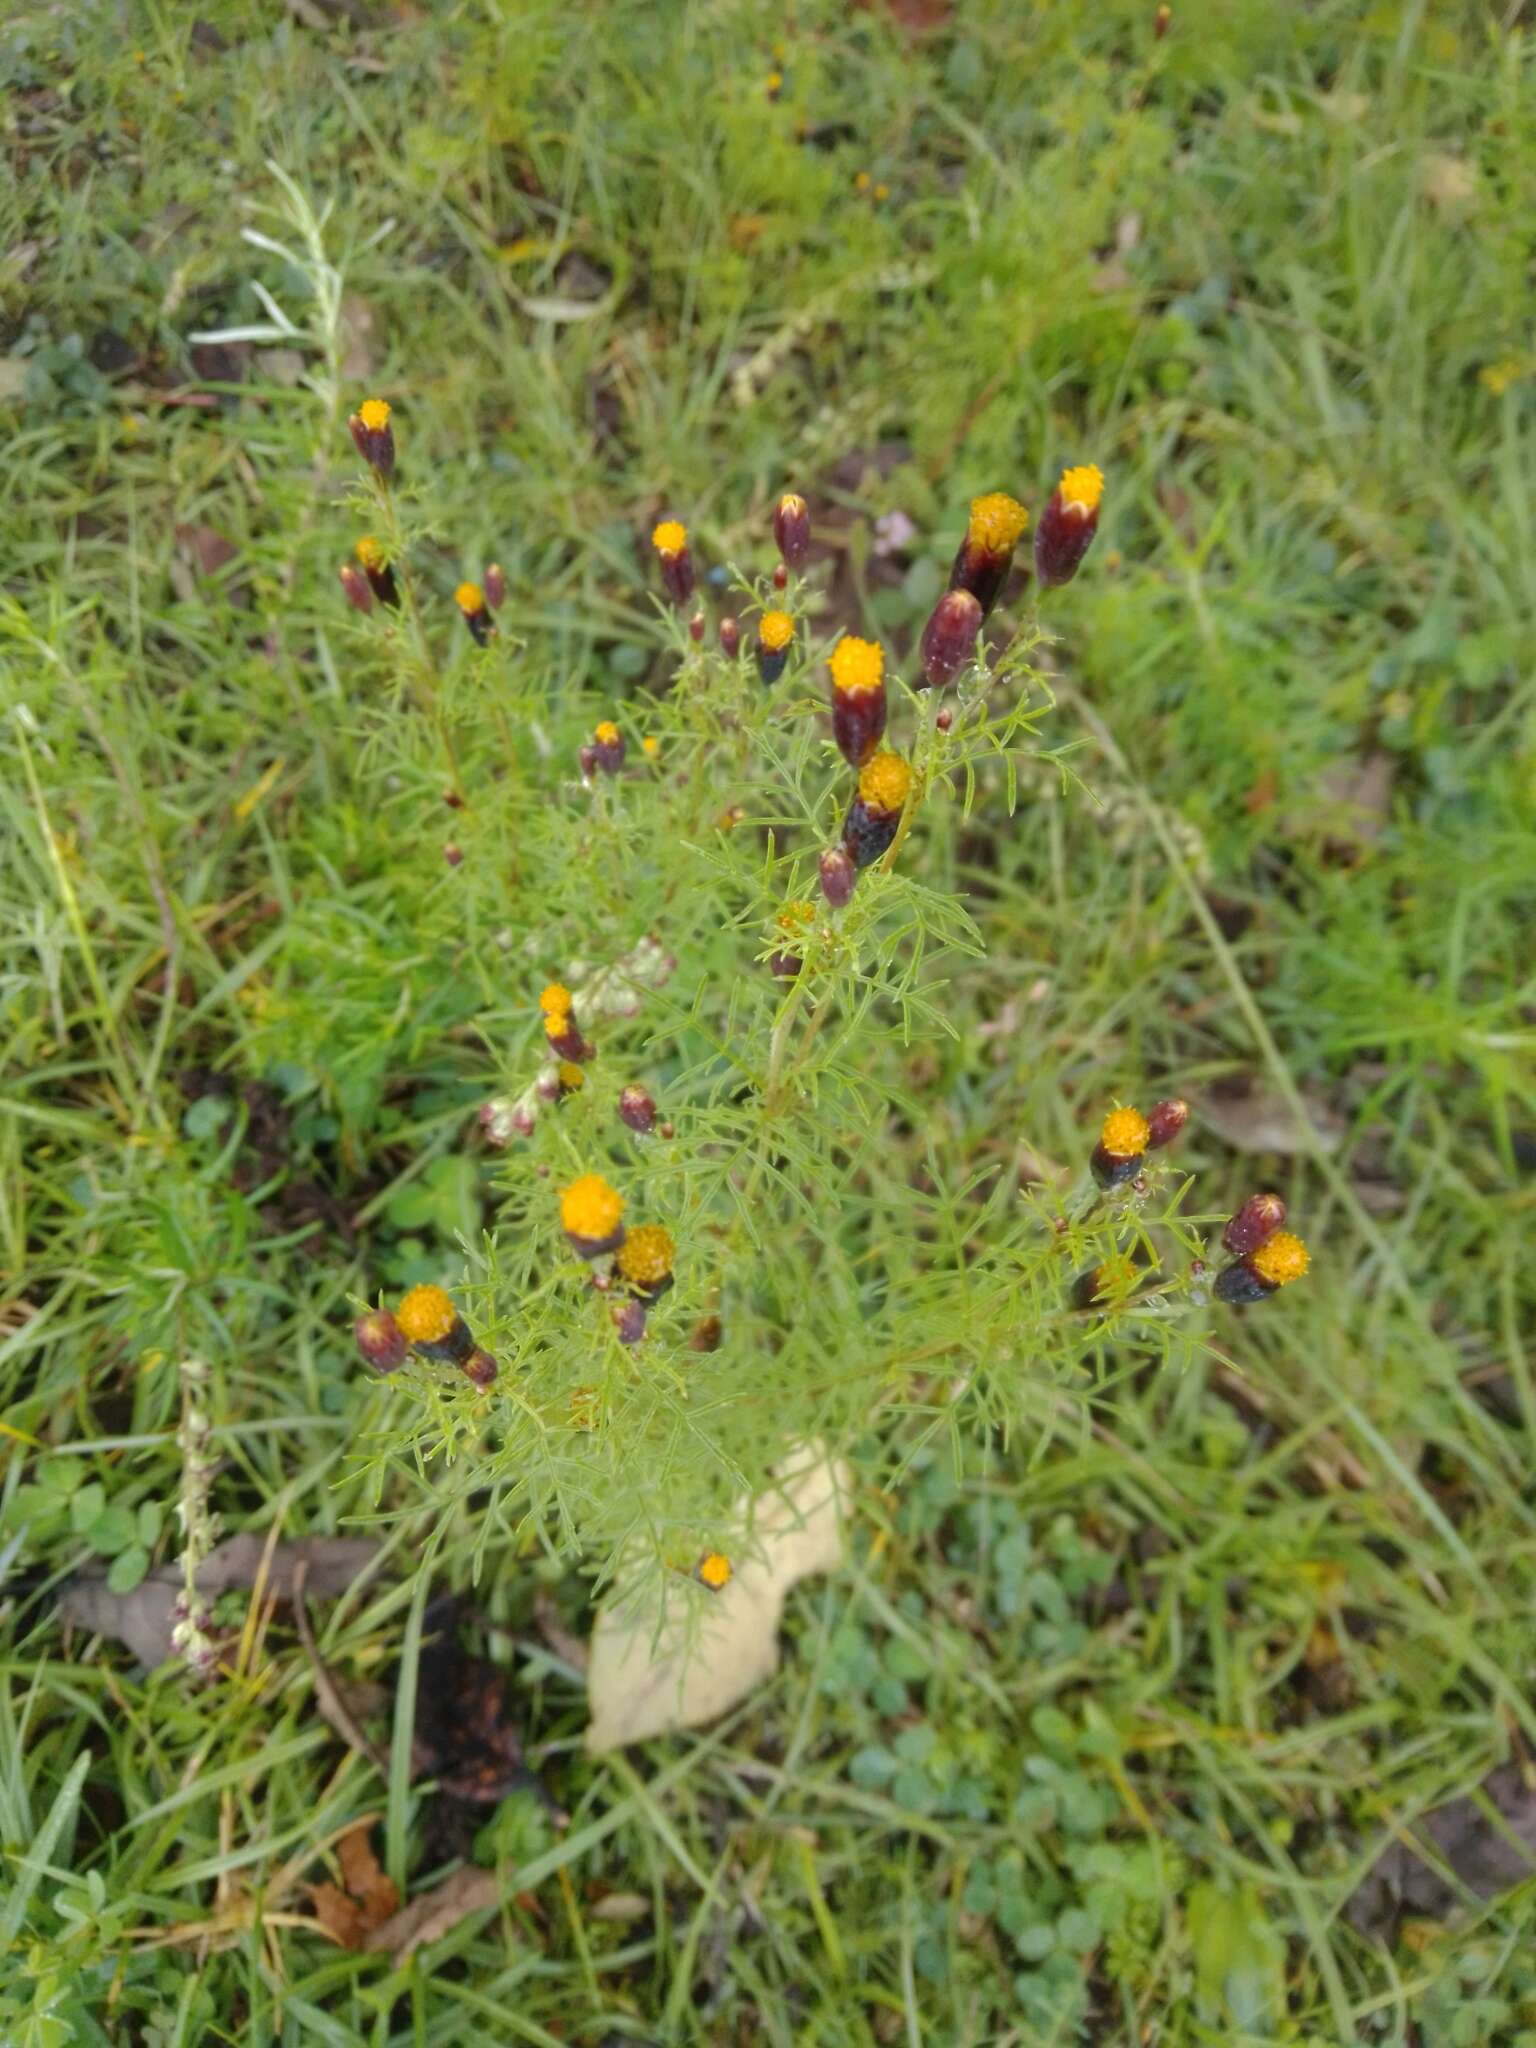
x: 1133, y: 1672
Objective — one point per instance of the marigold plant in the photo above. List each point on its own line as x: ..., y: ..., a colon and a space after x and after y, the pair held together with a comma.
x: 704, y: 963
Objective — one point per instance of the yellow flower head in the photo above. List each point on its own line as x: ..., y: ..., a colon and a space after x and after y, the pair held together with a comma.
x: 469, y: 597
x: 861, y: 181
x: 775, y: 630
x: 650, y: 746
x: 590, y: 1208
x: 670, y: 537
x: 884, y: 781
x: 369, y: 552
x: 586, y: 1407
x: 1082, y: 488
x: 796, y: 916
x: 374, y: 414
x: 606, y: 734
x: 1280, y: 1259
x: 857, y: 664
x: 996, y: 522
x: 1115, y: 1276
x: 645, y: 1256
x: 1126, y: 1134
x: 570, y: 1076
x: 714, y: 1570
x: 554, y: 999
x: 426, y: 1315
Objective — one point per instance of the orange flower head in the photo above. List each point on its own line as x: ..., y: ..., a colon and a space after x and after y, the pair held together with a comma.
x: 1126, y: 1134
x: 590, y: 1208
x: 670, y: 537
x: 1280, y: 1259
x: 996, y: 522
x: 369, y: 552
x: 645, y: 1257
x: 775, y: 631
x: 555, y: 999
x: 884, y: 781
x: 606, y: 734
x: 426, y: 1315
x: 714, y: 1571
x: 374, y: 414
x: 469, y: 597
x: 857, y: 664
x: 1082, y: 488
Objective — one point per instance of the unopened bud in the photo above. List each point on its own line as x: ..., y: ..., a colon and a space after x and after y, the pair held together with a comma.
x: 381, y: 1340
x: 637, y: 1108
x: 1168, y: 1118
x: 838, y: 875
x: 730, y: 639
x: 780, y: 576
x: 949, y: 638
x: 1257, y: 1220
x: 480, y: 1368
x: 495, y: 586
x: 355, y: 584
x: 453, y: 853
x: 628, y: 1320
x: 792, y: 528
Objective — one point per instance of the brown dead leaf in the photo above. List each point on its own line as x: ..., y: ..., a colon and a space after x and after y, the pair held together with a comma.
x: 435, y: 1913
x: 350, y: 1915
x: 144, y: 1618
x: 1259, y: 1119
x: 648, y: 1675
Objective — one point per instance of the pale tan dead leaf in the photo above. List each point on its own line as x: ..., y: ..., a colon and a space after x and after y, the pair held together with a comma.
x: 1262, y: 1121
x: 1351, y: 803
x: 1344, y: 107
x: 435, y: 1913
x: 648, y: 1677
x: 1448, y: 182
x: 620, y: 1907
x: 13, y: 377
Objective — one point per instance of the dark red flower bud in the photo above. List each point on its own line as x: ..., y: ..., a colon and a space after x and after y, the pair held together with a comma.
x: 381, y: 1340
x: 373, y: 437
x: 1258, y: 1219
x: 375, y: 566
x: 670, y: 540
x: 985, y: 555
x: 838, y: 876
x: 495, y: 586
x: 944, y: 721
x: 453, y: 853
x: 1168, y: 1118
x: 586, y: 759
x: 696, y: 628
x: 628, y: 1320
x: 730, y: 638
x: 784, y: 966
x: 705, y: 1335
x: 1160, y: 22
x: 949, y: 638
x: 792, y: 528
x: 637, y: 1108
x: 480, y: 1367
x: 1067, y: 525
x: 858, y: 698
x: 355, y: 584
x: 780, y: 576
x: 608, y: 747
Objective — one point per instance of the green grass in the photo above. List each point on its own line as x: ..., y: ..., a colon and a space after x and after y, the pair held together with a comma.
x: 1050, y: 1761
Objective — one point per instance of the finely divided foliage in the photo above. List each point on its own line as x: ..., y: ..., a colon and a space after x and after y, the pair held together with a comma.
x: 447, y: 896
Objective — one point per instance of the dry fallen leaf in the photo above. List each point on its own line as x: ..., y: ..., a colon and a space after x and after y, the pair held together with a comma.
x: 647, y: 1678
x: 349, y: 1915
x: 1449, y: 182
x: 144, y: 1618
x: 435, y: 1913
x: 1262, y: 1121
